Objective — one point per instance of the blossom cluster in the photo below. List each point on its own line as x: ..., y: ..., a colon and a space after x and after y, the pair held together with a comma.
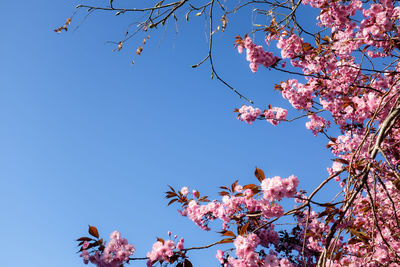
x: 290, y: 47
x: 256, y: 54
x: 275, y: 115
x: 343, y: 84
x: 274, y: 189
x: 357, y: 98
x: 277, y: 188
x: 115, y: 253
x: 247, y: 257
x: 242, y: 200
x: 248, y: 114
x: 163, y: 250
x: 316, y: 124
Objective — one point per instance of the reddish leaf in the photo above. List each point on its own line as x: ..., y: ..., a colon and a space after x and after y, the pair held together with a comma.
x: 172, y: 201
x: 84, y: 239
x: 249, y: 186
x: 339, y: 255
x: 170, y: 194
x: 91, y: 245
x: 329, y: 145
x: 397, y: 184
x: 307, y: 47
x: 326, y: 38
x: 204, y: 199
x: 243, y: 230
x: 327, y: 205
x: 333, y: 139
x: 278, y: 87
x: 363, y: 236
x: 174, y: 258
x: 256, y: 190
x: 226, y: 240
x: 317, y: 39
x: 234, y: 185
x: 93, y: 231
x: 341, y: 160
x: 259, y: 174
x: 229, y: 233
x: 173, y: 190
x: 187, y: 263
x: 354, y: 241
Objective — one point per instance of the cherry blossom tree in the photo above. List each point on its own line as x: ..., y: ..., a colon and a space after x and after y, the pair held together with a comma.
x: 344, y: 75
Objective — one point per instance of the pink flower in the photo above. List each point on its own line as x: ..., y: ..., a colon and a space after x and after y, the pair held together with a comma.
x: 275, y: 115
x: 316, y: 124
x: 256, y: 55
x: 277, y: 188
x: 220, y: 256
x: 179, y: 246
x: 271, y: 261
x: 85, y: 245
x: 115, y: 253
x: 248, y: 114
x: 184, y: 191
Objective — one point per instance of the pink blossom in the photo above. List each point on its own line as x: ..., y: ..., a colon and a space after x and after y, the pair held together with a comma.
x: 256, y: 55
x: 275, y: 115
x: 179, y: 246
x: 220, y: 256
x: 248, y: 114
x: 277, y: 188
x: 85, y: 245
x: 115, y: 253
x: 184, y: 191
x: 316, y: 124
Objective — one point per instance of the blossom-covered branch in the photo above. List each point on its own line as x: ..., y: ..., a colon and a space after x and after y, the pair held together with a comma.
x: 343, y: 75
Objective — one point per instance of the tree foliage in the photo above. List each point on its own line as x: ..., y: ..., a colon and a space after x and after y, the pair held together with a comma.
x: 347, y: 77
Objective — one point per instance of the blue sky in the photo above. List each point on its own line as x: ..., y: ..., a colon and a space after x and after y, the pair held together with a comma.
x: 86, y: 138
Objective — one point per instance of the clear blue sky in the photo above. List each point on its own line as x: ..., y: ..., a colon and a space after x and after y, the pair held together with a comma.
x: 86, y: 138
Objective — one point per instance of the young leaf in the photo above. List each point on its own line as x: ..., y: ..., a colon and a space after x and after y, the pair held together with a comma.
x: 229, y: 233
x: 243, y: 230
x: 172, y: 201
x: 226, y: 240
x: 187, y: 263
x: 93, y: 231
x: 84, y: 239
x: 259, y: 174
x: 249, y: 186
